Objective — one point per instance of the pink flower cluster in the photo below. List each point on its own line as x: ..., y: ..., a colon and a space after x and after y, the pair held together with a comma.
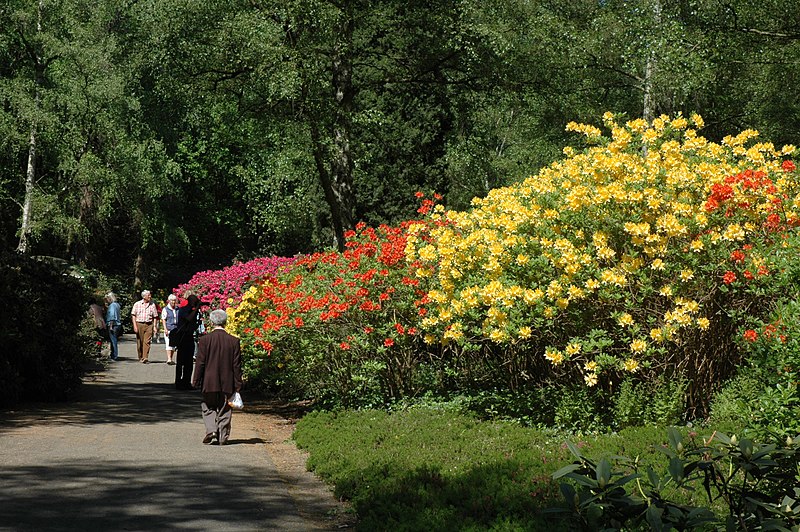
x: 224, y: 288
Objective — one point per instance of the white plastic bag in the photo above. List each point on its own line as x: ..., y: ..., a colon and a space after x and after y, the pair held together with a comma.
x: 236, y: 401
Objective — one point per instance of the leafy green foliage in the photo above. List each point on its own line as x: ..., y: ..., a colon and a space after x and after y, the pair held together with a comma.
x: 755, y: 484
x: 46, y: 335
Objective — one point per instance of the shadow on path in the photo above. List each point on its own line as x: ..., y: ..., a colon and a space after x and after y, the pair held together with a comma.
x: 127, y: 455
x: 117, y: 496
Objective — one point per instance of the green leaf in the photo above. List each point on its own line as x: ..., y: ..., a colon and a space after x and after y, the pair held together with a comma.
x: 603, y: 472
x: 574, y: 450
x: 676, y: 469
x: 566, y: 469
x: 653, y: 517
x: 654, y: 478
x: 674, y: 437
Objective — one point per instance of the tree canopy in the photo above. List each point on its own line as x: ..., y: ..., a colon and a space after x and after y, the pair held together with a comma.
x: 144, y: 137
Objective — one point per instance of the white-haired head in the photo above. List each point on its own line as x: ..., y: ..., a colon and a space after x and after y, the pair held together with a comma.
x: 218, y: 317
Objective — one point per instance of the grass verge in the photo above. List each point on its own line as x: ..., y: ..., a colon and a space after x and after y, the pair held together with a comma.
x: 428, y: 469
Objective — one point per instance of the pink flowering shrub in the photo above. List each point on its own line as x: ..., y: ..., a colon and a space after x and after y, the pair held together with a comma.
x: 223, y: 288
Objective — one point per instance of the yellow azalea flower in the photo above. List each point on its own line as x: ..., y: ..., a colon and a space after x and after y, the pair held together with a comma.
x: 549, y: 312
x: 590, y: 366
x: 649, y: 136
x: 573, y: 349
x: 498, y: 335
x: 592, y: 284
x: 590, y: 379
x: 656, y: 334
x: 703, y: 323
x: 524, y: 332
x: 554, y: 356
x: 679, y: 122
x: 687, y: 275
x: 575, y: 292
x: 666, y: 290
x: 697, y: 120
x: 638, y: 346
x: 562, y: 303
x: 606, y: 253
x: 589, y: 131
x: 696, y: 245
x: 522, y: 259
x: 531, y: 297
x: 657, y: 264
x: 428, y: 253
x: 626, y: 320
x: 631, y: 365
x: 734, y: 232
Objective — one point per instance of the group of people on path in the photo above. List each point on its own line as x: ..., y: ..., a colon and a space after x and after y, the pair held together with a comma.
x: 218, y: 371
x: 180, y: 323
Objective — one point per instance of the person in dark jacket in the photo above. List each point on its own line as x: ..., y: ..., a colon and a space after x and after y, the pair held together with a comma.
x: 218, y: 374
x: 182, y: 338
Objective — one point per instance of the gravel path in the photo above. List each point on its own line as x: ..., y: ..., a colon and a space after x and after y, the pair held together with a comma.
x: 128, y: 456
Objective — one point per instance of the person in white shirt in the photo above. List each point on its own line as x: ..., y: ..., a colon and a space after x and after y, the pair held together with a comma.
x: 169, y: 321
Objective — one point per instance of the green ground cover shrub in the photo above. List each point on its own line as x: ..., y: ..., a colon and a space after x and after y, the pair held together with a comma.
x: 434, y: 468
x: 45, y: 334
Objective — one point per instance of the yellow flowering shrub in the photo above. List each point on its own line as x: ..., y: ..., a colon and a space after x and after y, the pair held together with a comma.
x: 632, y: 256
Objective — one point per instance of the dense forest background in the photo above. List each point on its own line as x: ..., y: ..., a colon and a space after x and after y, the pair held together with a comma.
x: 153, y: 138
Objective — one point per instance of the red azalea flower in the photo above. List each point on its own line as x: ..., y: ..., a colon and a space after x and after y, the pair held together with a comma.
x: 388, y: 342
x: 748, y: 275
x: 729, y: 277
x: 788, y: 166
x: 737, y: 256
x: 750, y: 335
x: 345, y: 346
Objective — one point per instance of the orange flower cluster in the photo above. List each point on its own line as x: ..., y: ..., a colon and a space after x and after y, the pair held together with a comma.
x: 366, y: 293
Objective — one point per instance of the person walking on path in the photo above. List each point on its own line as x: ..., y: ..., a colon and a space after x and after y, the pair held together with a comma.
x: 218, y: 375
x: 113, y: 322
x: 144, y: 317
x: 169, y: 322
x: 182, y: 338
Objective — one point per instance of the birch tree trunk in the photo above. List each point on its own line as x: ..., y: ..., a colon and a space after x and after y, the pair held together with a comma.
x: 30, y: 174
x: 651, y: 65
x: 27, y: 205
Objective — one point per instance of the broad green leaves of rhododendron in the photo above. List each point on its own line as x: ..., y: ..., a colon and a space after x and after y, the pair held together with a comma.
x: 629, y: 257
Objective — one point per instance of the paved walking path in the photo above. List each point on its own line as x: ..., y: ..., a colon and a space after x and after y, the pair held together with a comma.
x: 128, y: 456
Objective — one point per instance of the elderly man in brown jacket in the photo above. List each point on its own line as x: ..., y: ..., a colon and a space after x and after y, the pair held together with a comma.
x: 218, y: 374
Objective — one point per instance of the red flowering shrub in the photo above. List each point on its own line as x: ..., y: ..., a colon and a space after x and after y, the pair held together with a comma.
x: 338, y: 327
